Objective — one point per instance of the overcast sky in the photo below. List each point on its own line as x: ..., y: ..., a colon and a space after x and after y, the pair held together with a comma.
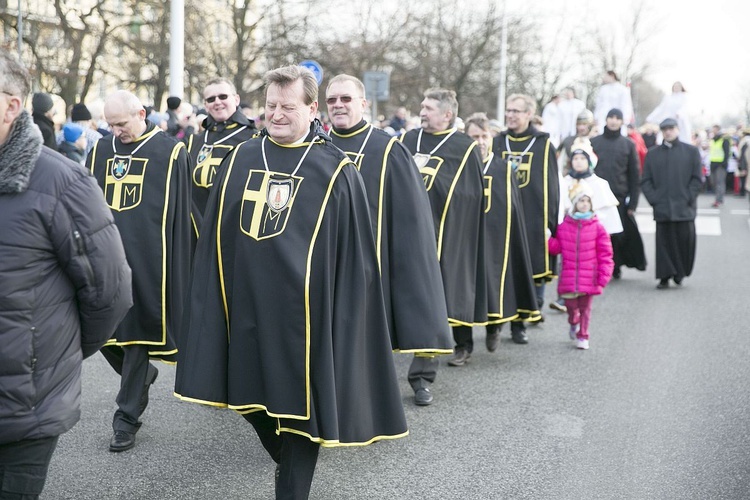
x: 702, y: 44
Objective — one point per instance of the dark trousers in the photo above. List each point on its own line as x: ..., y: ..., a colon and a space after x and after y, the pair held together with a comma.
x: 23, y: 467
x: 540, y: 285
x: 295, y: 454
x: 131, y: 363
x: 422, y: 372
x: 463, y: 338
x: 515, y: 326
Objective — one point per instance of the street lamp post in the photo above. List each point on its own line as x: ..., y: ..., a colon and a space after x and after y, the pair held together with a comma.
x: 20, y: 31
x: 177, y: 48
x: 503, y: 64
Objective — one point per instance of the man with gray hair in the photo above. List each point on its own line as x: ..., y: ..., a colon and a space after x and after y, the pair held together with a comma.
x: 451, y: 169
x: 401, y: 223
x: 529, y: 154
x: 145, y: 177
x: 64, y: 286
x: 286, y: 321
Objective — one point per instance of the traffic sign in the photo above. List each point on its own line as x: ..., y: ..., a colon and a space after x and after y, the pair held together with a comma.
x: 316, y: 69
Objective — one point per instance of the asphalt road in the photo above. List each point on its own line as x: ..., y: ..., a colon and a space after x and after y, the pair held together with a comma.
x: 658, y: 408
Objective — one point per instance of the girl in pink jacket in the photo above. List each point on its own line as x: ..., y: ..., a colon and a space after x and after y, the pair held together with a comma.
x: 587, y: 262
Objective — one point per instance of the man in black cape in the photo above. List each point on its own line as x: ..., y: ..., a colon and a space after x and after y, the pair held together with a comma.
x: 401, y: 223
x: 671, y: 183
x: 531, y: 155
x: 452, y: 173
x: 224, y: 128
x: 618, y: 165
x: 145, y: 177
x: 510, y: 278
x: 287, y: 323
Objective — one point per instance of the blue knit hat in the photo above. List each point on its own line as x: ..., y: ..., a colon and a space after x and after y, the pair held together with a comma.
x: 72, y: 131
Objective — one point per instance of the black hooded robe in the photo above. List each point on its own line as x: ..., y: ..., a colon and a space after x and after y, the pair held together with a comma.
x: 150, y: 200
x: 510, y: 277
x: 453, y: 179
x: 535, y: 165
x: 404, y: 238
x: 286, y: 307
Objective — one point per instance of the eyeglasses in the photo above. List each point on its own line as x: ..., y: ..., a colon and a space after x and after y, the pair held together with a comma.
x: 346, y: 99
x: 221, y: 97
x: 514, y: 111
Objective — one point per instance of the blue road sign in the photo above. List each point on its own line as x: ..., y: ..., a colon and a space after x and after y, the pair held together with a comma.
x: 315, y: 68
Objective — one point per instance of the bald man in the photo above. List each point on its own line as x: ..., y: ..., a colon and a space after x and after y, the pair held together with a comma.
x: 145, y: 176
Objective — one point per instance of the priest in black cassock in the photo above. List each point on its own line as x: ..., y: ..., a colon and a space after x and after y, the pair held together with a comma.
x: 224, y: 128
x: 510, y: 278
x: 145, y: 176
x: 531, y: 155
x: 671, y: 183
x: 451, y: 169
x: 287, y: 323
x: 401, y: 223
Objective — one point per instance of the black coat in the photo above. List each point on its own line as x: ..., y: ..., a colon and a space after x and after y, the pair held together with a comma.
x: 64, y: 284
x: 672, y: 180
x: 47, y: 128
x: 618, y: 165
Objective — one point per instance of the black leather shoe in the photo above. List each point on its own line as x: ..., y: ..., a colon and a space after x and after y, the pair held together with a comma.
x: 519, y: 337
x: 663, y: 284
x: 460, y: 358
x: 423, y: 397
x: 144, y: 396
x: 121, y: 441
x: 493, y: 339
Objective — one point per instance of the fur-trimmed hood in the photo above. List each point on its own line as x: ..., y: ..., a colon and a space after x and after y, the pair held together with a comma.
x: 19, y: 154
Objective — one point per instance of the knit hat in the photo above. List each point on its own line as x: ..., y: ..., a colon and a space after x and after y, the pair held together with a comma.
x: 173, y: 102
x: 577, y: 191
x: 616, y: 113
x: 80, y: 113
x: 72, y: 131
x: 157, y: 118
x: 583, y: 147
x: 585, y: 116
x: 41, y: 102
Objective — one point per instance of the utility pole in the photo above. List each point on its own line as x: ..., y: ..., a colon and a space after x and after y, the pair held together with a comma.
x: 503, y: 63
x: 176, y: 47
x: 20, y: 31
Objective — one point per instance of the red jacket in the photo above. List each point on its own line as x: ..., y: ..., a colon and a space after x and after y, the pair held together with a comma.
x: 587, y: 262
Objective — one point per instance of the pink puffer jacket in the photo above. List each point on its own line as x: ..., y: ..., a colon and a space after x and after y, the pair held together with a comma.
x: 586, y: 249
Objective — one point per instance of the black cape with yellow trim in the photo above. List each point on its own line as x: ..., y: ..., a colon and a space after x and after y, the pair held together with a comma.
x: 286, y: 307
x: 404, y: 239
x: 510, y: 278
x: 453, y: 179
x: 538, y: 182
x: 205, y: 164
x: 150, y: 202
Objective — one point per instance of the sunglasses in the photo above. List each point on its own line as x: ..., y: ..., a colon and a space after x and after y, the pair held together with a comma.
x: 346, y: 99
x: 221, y: 97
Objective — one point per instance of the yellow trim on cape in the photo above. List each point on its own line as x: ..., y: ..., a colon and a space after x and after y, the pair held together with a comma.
x: 448, y: 199
x: 308, y: 271
x: 220, y: 262
x: 353, y: 133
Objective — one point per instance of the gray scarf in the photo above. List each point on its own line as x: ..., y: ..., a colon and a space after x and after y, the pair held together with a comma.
x: 19, y: 154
